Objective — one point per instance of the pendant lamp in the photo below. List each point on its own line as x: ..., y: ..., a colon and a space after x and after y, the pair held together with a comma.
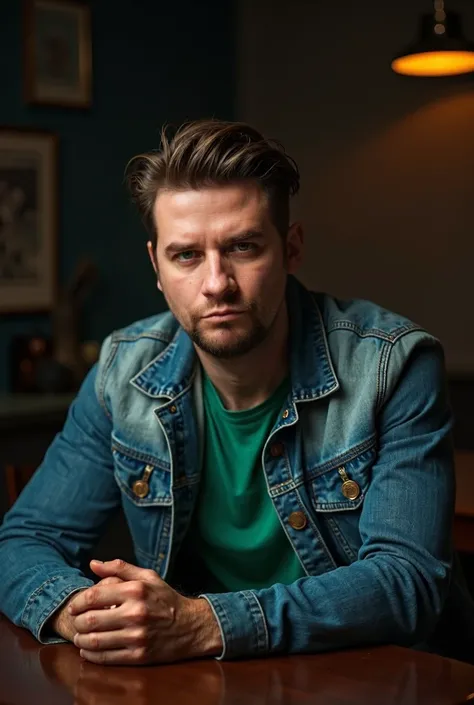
x: 441, y: 48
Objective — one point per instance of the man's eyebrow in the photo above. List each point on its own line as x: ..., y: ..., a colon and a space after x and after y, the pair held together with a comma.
x: 240, y: 237
x: 175, y: 247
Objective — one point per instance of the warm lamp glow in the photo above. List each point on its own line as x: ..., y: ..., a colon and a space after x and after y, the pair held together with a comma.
x: 435, y: 63
x: 440, y: 49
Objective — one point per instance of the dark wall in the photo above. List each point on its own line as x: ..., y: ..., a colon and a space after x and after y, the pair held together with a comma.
x: 153, y: 63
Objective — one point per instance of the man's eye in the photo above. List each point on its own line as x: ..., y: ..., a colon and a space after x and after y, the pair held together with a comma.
x: 186, y: 256
x: 244, y: 246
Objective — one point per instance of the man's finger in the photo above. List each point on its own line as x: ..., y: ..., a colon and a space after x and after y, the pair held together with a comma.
x: 95, y: 621
x: 98, y: 597
x: 104, y: 641
x: 113, y: 580
x: 123, y: 570
x: 114, y: 657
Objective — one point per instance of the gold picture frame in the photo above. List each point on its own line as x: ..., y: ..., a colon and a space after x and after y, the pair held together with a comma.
x: 28, y: 220
x: 57, y: 53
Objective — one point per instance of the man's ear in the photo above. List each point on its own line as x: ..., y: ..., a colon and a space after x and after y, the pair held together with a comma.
x: 152, y: 256
x: 294, y: 247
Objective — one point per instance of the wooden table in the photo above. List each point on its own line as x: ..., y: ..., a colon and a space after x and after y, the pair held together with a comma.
x: 32, y: 674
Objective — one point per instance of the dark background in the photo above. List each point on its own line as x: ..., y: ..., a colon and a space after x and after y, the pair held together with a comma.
x: 153, y: 63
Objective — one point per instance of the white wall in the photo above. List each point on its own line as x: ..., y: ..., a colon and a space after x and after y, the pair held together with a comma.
x: 387, y: 163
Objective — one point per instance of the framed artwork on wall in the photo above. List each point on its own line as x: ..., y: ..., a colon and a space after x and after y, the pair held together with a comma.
x: 28, y: 220
x: 57, y: 53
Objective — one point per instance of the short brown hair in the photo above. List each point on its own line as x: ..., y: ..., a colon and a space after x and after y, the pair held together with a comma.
x: 210, y: 153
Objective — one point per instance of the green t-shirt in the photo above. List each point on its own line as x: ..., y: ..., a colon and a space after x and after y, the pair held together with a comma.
x: 235, y: 531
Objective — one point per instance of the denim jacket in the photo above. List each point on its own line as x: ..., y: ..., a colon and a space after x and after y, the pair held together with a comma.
x: 367, y: 404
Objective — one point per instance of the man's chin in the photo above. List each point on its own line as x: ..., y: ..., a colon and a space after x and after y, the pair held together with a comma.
x: 228, y: 343
x: 219, y: 347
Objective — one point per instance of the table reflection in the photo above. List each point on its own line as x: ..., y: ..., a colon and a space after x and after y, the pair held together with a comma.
x: 56, y: 675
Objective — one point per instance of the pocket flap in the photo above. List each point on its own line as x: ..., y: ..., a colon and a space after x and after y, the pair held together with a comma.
x: 327, y: 481
x: 130, y: 468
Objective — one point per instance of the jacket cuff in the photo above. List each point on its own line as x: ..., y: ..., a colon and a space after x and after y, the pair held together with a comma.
x: 46, y: 600
x: 242, y: 623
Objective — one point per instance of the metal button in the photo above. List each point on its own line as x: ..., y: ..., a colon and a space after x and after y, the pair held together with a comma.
x: 350, y: 489
x: 297, y: 520
x: 277, y: 449
x: 173, y: 409
x: 141, y: 488
x: 285, y: 414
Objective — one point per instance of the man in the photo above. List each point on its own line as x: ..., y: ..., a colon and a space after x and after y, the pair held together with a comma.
x: 283, y: 458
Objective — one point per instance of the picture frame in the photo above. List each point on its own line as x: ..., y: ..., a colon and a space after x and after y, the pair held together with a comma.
x: 28, y: 220
x: 57, y: 53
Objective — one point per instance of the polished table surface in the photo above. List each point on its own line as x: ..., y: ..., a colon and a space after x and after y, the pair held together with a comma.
x: 32, y: 674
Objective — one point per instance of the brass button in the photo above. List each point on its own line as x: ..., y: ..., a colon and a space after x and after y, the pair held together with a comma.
x: 285, y: 414
x: 350, y: 489
x: 141, y: 488
x: 277, y: 449
x: 173, y: 409
x: 297, y: 520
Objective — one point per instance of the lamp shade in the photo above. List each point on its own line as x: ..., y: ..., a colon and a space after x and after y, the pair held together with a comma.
x: 441, y: 49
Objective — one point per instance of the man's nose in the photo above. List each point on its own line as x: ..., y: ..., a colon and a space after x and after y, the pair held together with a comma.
x: 218, y: 277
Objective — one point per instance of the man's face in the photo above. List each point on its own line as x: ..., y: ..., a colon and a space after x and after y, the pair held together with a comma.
x: 222, y: 265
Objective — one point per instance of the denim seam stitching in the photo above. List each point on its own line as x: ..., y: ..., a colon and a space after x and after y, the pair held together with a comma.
x: 346, y: 457
x: 221, y: 630
x: 27, y: 608
x: 266, y: 642
x: 374, y: 332
x: 225, y: 623
x: 137, y: 455
x: 103, y: 375
x: 142, y: 336
x: 382, y: 377
x: 316, y: 530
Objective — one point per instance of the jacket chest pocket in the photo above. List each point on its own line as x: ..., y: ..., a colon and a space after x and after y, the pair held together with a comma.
x: 143, y: 483
x: 146, y: 501
x: 337, y: 492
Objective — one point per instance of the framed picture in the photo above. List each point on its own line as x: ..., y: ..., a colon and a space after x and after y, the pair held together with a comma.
x: 28, y: 220
x: 57, y: 53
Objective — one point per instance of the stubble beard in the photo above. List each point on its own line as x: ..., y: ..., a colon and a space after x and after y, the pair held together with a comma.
x: 242, y: 344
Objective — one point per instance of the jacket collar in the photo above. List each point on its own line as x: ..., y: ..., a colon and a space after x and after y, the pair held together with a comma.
x: 312, y: 374
x: 312, y: 371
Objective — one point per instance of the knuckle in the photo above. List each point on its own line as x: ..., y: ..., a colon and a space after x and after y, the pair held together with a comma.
x: 91, y: 621
x: 140, y: 654
x: 140, y: 637
x: 119, y: 564
x: 94, y: 641
x: 139, y: 614
x: 99, y: 657
x: 113, y: 580
x: 90, y: 596
x: 137, y: 589
x: 150, y: 574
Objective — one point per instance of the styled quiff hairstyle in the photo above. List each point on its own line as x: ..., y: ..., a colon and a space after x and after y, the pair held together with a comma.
x: 212, y: 153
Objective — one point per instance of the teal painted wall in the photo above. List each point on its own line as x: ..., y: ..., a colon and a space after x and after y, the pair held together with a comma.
x: 153, y: 63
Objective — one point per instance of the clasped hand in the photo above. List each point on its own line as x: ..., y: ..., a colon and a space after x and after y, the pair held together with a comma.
x: 137, y: 618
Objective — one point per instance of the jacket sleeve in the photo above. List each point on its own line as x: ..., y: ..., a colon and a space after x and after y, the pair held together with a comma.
x: 395, y: 591
x: 59, y: 516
